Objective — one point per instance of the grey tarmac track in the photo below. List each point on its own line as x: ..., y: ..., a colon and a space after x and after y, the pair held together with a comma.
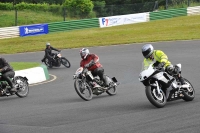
x: 55, y: 107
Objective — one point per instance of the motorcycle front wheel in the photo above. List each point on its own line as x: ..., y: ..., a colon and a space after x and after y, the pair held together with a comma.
x: 83, y: 90
x: 65, y: 62
x: 158, y: 100
x: 188, y: 95
x: 22, y: 86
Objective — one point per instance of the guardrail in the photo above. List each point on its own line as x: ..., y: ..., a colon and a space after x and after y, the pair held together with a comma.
x: 193, y: 10
x: 73, y: 25
x: 9, y: 32
x: 168, y: 13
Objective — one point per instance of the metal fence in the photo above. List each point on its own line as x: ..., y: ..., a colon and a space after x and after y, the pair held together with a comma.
x: 173, y: 4
x: 112, y: 10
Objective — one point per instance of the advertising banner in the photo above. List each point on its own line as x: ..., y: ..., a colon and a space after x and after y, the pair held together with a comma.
x: 32, y: 30
x: 122, y: 19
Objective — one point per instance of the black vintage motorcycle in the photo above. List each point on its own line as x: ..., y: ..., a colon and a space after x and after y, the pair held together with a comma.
x: 161, y: 87
x: 20, y: 83
x: 57, y: 61
x: 84, y: 81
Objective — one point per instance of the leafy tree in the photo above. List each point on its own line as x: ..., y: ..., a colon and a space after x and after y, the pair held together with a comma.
x: 80, y: 8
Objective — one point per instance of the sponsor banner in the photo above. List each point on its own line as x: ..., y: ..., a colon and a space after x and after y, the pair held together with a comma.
x: 34, y: 75
x: 31, y: 30
x: 122, y: 19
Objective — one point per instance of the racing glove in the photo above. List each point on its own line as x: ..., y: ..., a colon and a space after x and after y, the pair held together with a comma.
x: 161, y: 65
x: 90, y: 64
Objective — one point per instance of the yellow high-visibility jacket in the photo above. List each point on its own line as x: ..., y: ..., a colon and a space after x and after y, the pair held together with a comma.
x: 159, y: 56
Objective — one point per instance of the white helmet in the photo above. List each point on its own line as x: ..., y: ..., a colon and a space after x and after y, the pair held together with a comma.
x: 147, y: 50
x: 84, y: 52
x: 48, y: 44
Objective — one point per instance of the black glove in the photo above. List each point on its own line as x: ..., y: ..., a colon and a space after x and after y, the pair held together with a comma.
x: 90, y: 64
x: 160, y: 65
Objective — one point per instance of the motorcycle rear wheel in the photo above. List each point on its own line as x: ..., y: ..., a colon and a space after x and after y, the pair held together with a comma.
x: 154, y: 99
x: 21, y: 86
x: 65, y: 62
x: 112, y: 91
x: 189, y: 96
x: 85, y: 93
x: 46, y: 62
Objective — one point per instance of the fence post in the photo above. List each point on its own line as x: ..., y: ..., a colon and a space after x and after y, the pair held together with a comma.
x: 64, y: 14
x: 15, y: 17
x: 14, y: 3
x: 166, y: 4
x: 111, y: 10
x: 155, y: 6
x: 188, y: 3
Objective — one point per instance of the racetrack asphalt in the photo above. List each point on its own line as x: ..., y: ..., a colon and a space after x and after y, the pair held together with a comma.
x: 55, y: 107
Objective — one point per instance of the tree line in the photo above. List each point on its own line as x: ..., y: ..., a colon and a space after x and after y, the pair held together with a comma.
x: 107, y: 2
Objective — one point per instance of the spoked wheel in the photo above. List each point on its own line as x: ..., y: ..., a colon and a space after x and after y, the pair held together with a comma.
x: 112, y: 91
x: 22, y: 86
x: 158, y: 100
x: 189, y: 93
x: 65, y: 62
x: 46, y: 61
x: 83, y: 90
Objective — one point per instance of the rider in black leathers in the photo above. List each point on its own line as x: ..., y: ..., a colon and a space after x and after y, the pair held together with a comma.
x: 48, y: 53
x: 7, y: 73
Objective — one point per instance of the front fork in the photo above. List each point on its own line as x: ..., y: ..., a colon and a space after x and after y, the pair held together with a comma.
x: 158, y: 89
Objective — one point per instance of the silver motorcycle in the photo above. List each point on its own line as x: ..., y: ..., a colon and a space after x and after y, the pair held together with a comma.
x: 84, y: 81
x: 162, y: 87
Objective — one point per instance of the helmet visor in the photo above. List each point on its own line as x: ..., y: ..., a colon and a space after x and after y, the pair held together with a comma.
x: 82, y: 54
x: 147, y: 53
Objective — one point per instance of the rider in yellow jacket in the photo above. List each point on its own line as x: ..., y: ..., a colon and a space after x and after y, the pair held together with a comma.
x: 161, y: 60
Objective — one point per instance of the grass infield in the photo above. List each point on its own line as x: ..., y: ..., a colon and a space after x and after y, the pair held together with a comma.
x: 23, y: 65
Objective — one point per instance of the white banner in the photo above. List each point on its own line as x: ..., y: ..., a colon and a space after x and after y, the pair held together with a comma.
x: 34, y: 75
x: 123, y: 19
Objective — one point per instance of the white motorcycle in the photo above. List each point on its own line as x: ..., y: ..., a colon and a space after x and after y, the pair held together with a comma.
x: 161, y: 87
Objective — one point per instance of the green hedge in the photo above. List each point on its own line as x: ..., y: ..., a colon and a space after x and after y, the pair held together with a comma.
x: 34, y: 7
x: 6, y: 6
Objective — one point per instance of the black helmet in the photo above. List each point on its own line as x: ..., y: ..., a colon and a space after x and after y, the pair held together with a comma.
x: 147, y: 50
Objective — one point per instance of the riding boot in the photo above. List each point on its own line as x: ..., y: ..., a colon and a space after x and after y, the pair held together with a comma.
x: 12, y: 87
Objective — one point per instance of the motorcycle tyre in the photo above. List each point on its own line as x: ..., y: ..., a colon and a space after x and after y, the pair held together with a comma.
x: 67, y: 66
x: 47, y: 64
x: 27, y: 87
x: 152, y: 100
x: 112, y: 93
x: 79, y: 93
x: 186, y: 96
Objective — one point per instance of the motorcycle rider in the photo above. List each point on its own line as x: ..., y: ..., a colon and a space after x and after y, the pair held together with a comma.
x: 48, y: 53
x: 161, y: 60
x: 7, y: 73
x: 91, y: 62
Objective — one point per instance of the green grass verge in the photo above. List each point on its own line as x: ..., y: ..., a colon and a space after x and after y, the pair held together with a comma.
x: 27, y: 17
x: 180, y: 28
x: 23, y: 65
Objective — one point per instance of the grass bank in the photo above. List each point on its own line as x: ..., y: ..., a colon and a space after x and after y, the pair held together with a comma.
x: 180, y: 28
x: 26, y: 17
x: 23, y: 65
